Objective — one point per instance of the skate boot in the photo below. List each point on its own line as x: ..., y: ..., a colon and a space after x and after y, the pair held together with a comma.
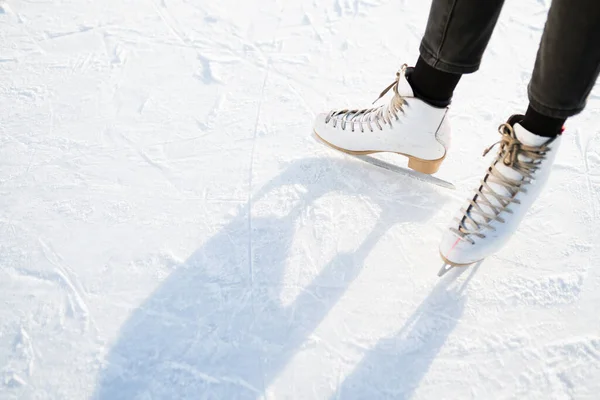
x: 407, y: 126
x: 510, y: 186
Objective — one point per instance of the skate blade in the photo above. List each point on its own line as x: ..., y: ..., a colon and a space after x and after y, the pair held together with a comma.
x: 448, y: 265
x: 363, y: 156
x: 444, y: 270
x: 405, y: 171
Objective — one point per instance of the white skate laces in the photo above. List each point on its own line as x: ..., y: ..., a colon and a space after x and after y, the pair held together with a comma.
x: 372, y: 117
x: 498, y: 191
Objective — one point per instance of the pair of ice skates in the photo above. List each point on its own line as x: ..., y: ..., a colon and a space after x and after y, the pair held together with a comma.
x: 421, y: 132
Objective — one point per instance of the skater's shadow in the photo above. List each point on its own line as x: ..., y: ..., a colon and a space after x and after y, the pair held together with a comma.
x: 216, y: 328
x: 396, y: 366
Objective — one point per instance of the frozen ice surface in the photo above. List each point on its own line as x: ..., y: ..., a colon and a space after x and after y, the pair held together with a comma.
x: 170, y: 229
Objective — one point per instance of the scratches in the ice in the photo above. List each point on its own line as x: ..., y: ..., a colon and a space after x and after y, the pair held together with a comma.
x: 583, y: 150
x: 545, y: 291
x: 192, y: 371
x: 249, y: 202
x: 250, y: 173
x: 65, y: 278
x: 354, y: 7
x: 207, y: 74
x: 116, y: 53
x: 24, y: 345
x: 338, y: 7
x: 212, y: 379
x: 214, y: 112
x: 307, y: 20
x: 565, y: 364
x: 119, y: 56
x: 82, y: 63
x: 169, y: 21
x: 58, y: 35
x: 164, y: 170
x: 13, y: 380
x: 143, y: 104
x: 18, y: 368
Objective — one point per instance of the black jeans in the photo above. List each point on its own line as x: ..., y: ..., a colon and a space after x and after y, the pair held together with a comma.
x: 568, y: 59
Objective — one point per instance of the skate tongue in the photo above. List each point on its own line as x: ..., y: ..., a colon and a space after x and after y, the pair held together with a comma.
x: 527, y: 137
x: 404, y: 88
x: 401, y: 85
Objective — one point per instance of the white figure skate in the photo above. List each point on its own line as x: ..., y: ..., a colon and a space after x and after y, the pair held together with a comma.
x: 510, y: 186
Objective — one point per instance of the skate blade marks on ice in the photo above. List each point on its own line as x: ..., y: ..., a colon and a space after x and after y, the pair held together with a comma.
x: 364, y: 156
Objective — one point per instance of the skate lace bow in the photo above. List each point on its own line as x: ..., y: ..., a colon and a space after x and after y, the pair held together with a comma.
x: 487, y: 204
x: 372, y: 117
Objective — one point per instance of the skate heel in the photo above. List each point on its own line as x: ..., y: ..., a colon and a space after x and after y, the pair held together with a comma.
x: 425, y: 166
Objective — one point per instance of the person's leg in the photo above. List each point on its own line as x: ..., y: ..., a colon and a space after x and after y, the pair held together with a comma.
x: 567, y: 65
x: 456, y: 36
